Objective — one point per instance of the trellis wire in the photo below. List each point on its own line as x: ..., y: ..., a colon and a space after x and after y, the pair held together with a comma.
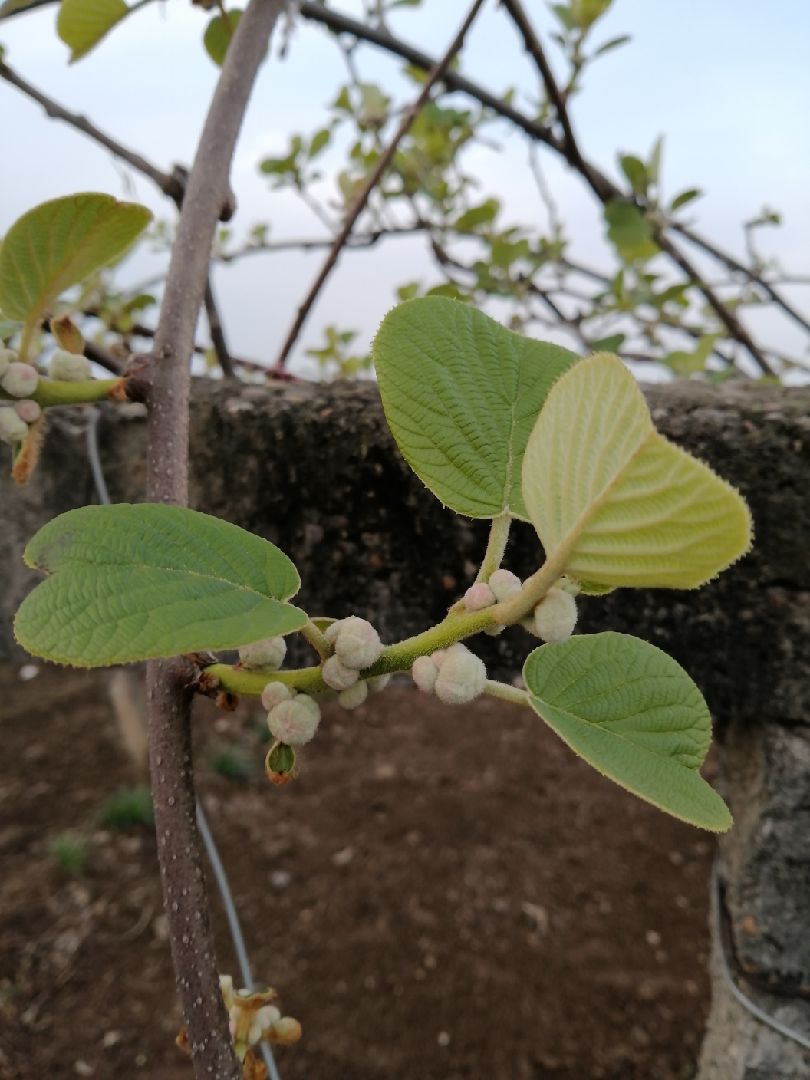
x: 231, y: 914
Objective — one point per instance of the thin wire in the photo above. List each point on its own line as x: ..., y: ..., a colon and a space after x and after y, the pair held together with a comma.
x: 231, y: 914
x: 725, y: 971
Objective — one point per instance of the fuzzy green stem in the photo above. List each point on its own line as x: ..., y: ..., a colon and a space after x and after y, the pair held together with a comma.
x: 505, y: 692
x: 317, y: 640
x: 82, y: 392
x: 496, y: 546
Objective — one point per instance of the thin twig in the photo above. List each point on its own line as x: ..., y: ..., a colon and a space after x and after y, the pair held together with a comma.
x: 383, y: 161
x: 168, y: 691
x: 217, y: 332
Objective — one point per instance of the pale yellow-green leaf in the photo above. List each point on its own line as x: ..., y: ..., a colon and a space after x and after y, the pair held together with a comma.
x: 613, y: 501
x: 81, y: 24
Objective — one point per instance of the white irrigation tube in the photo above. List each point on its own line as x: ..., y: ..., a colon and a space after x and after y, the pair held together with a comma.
x: 211, y: 849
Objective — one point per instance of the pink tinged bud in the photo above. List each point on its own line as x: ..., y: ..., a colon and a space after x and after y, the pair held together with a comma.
x: 438, y: 657
x: 555, y: 616
x: 274, y: 693
x: 12, y: 428
x: 332, y: 631
x: 69, y: 367
x: 478, y: 597
x: 336, y: 675
x: 354, y: 696
x: 357, y: 644
x: 504, y: 584
x: 378, y: 683
x: 294, y: 722
x: 461, y: 677
x: 27, y: 410
x: 268, y: 654
x: 424, y: 673
x: 20, y: 380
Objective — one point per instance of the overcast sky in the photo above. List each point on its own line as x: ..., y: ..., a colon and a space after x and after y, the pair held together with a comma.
x: 727, y: 81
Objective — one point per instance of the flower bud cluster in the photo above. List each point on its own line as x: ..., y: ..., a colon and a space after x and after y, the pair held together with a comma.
x: 357, y: 646
x: 18, y: 381
x: 292, y: 718
x: 69, y: 367
x: 252, y: 1018
x: 454, y: 675
x: 483, y: 594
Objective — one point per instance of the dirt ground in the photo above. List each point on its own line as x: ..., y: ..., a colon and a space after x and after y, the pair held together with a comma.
x: 440, y: 894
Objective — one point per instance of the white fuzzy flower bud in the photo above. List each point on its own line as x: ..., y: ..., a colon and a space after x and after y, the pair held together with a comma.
x: 424, y: 672
x: 478, y: 597
x: 337, y: 675
x: 7, y: 357
x: 354, y: 696
x: 556, y: 615
x: 332, y: 631
x: 504, y: 584
x: 274, y: 693
x: 268, y: 654
x: 27, y: 410
x: 20, y: 380
x: 294, y: 722
x: 267, y: 1016
x: 357, y: 644
x: 69, y: 367
x: 461, y: 676
x: 13, y: 429
x: 378, y: 683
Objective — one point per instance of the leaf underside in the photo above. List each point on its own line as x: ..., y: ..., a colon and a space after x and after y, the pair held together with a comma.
x: 619, y: 503
x: 137, y: 582
x: 632, y: 713
x: 461, y: 395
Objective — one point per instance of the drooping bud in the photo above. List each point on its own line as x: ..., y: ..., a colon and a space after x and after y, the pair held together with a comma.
x: 13, y: 428
x: 478, y: 597
x: 337, y: 675
x: 354, y: 696
x: 295, y: 722
x: 279, y: 764
x: 504, y: 584
x: 285, y: 1031
x: 28, y: 410
x: 20, y: 380
x: 461, y: 677
x: 378, y: 683
x: 424, y: 672
x: 69, y: 367
x: 274, y: 693
x: 268, y: 654
x: 556, y: 615
x: 357, y: 644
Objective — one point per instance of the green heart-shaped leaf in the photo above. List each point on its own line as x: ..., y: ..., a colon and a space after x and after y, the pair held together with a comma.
x: 615, y: 503
x: 461, y: 395
x: 81, y: 24
x: 139, y: 582
x: 60, y: 243
x: 219, y: 32
x: 634, y: 714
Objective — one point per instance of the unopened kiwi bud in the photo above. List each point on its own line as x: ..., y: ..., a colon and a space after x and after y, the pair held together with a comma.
x: 294, y: 722
x: 478, y: 597
x: 461, y: 677
x: 337, y: 675
x: 274, y: 693
x: 28, y: 410
x: 556, y: 615
x: 424, y: 673
x: 13, y: 428
x: 69, y: 367
x: 279, y: 764
x: 285, y: 1031
x: 354, y: 696
x: 268, y: 654
x: 504, y: 584
x: 357, y: 644
x: 378, y: 683
x: 20, y: 380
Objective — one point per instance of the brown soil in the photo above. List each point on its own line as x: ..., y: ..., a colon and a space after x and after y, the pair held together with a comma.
x: 441, y: 894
